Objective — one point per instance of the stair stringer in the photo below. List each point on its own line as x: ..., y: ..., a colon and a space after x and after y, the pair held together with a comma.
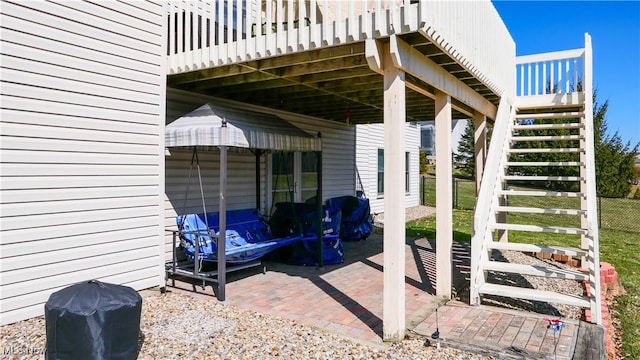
x: 488, y: 199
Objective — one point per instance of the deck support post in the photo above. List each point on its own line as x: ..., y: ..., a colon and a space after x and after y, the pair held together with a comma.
x: 480, y: 144
x: 444, y: 198
x: 393, y: 327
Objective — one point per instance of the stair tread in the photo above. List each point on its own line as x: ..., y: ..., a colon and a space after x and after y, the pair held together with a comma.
x: 533, y: 210
x: 537, y: 248
x: 550, y: 115
x: 544, y: 150
x: 541, y: 193
x: 543, y: 177
x: 545, y: 163
x: 533, y: 294
x: 546, y: 138
x: 548, y: 126
x: 536, y: 270
x: 538, y: 228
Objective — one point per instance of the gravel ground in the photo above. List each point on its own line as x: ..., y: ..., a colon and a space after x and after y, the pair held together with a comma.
x: 412, y: 213
x: 564, y: 286
x: 177, y: 326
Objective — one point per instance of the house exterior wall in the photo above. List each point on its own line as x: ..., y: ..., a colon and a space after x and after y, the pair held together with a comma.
x: 370, y: 138
x: 338, y: 160
x: 82, y: 172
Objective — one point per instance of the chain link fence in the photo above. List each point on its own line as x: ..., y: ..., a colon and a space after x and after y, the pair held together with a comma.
x: 615, y: 214
x: 619, y: 214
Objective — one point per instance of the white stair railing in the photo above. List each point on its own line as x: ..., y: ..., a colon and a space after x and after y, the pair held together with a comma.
x: 549, y: 73
x: 487, y: 201
x: 592, y: 238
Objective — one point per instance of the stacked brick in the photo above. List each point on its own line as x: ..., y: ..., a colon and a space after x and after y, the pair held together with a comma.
x: 610, y: 287
x: 565, y: 259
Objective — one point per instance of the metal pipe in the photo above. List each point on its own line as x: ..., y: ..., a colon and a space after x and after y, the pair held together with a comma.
x: 319, y: 209
x: 222, y: 237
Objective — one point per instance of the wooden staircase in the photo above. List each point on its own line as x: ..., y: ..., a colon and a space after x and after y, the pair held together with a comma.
x: 558, y: 128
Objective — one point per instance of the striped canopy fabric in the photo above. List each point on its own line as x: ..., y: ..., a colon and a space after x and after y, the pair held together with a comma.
x: 215, y: 125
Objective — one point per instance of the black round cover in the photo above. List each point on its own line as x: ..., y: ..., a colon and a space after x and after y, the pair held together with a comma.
x: 93, y: 320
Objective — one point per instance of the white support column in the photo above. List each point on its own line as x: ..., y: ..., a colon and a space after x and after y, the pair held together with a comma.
x: 480, y: 141
x: 444, y: 197
x: 393, y: 323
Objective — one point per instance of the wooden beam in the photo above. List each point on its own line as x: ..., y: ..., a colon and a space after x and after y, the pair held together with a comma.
x: 393, y: 323
x: 444, y: 197
x: 372, y: 51
x: 207, y: 74
x: 238, y: 80
x: 342, y: 64
x: 415, y: 63
x: 372, y: 54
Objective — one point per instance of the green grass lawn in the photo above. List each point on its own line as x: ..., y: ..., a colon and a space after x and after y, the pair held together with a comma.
x: 619, y: 244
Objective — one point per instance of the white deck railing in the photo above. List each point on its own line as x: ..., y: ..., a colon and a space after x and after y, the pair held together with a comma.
x: 209, y: 33
x: 550, y: 73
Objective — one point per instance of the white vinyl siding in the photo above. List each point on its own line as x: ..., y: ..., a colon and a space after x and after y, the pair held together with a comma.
x: 338, y: 164
x: 369, y: 139
x: 82, y: 171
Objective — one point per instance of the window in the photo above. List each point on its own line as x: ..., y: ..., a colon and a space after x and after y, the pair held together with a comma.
x: 407, y: 183
x: 406, y: 172
x: 380, y: 171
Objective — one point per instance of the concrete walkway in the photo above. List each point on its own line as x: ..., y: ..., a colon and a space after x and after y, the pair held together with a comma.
x: 347, y: 299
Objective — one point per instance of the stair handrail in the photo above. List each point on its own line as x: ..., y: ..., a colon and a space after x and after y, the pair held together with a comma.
x: 591, y: 196
x: 486, y: 202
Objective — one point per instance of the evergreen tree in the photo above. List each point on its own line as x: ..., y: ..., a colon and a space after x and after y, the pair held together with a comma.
x: 615, y: 161
x: 465, y: 158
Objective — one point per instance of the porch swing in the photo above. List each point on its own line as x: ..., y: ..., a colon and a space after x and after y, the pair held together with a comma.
x: 247, y: 236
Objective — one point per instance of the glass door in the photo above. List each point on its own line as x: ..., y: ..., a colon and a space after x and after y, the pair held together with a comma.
x: 282, y: 177
x: 308, y: 175
x: 294, y: 176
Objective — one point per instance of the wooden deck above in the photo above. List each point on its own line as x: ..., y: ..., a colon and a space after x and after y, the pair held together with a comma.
x: 320, y: 68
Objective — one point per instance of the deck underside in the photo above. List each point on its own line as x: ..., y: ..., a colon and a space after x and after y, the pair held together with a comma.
x: 333, y: 83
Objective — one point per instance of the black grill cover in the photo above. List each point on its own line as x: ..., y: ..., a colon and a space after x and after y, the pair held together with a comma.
x: 93, y: 320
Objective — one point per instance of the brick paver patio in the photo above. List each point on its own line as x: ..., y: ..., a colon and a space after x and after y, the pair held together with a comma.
x: 347, y: 299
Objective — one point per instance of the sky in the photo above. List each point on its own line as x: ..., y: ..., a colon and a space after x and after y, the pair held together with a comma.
x: 614, y: 26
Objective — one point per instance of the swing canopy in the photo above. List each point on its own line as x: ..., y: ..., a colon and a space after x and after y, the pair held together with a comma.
x: 243, y: 128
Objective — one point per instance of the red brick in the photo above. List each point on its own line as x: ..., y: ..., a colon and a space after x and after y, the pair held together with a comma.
x: 575, y: 263
x: 609, y: 270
